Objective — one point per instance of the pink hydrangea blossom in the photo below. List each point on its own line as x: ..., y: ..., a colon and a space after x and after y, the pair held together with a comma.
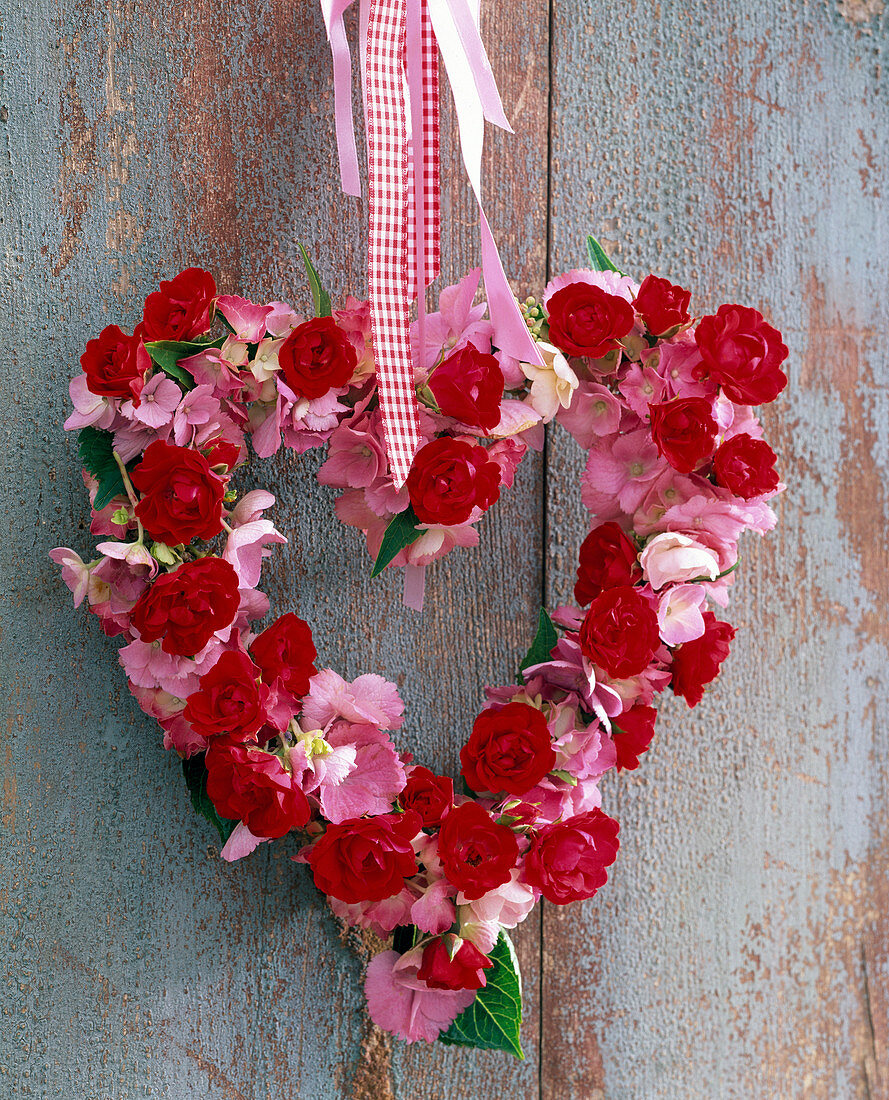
x: 594, y: 411
x: 90, y: 410
x: 197, y: 409
x: 372, y: 784
x: 75, y: 572
x: 399, y: 1002
x: 457, y: 323
x: 612, y: 282
x: 369, y: 699
x: 157, y: 402
x: 248, y: 545
x: 680, y: 613
x: 619, y: 472
x: 381, y: 917
x: 246, y: 318
x: 356, y: 454
x: 282, y: 320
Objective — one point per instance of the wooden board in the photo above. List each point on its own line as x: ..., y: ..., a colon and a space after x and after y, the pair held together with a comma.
x: 740, y: 949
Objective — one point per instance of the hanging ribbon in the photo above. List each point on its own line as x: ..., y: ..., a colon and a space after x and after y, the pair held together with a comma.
x: 400, y: 82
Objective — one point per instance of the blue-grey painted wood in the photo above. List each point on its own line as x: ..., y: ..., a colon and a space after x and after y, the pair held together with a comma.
x: 135, y: 139
x: 740, y: 949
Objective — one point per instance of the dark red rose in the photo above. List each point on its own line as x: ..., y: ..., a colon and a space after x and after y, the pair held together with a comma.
x: 620, y: 632
x: 743, y: 354
x: 317, y: 357
x: 449, y: 478
x: 661, y: 305
x: 115, y: 364
x: 181, y: 496
x: 445, y: 965
x: 607, y: 559
x: 697, y: 663
x: 477, y: 853
x: 684, y: 431
x: 180, y: 310
x: 229, y: 701
x: 427, y: 794
x: 246, y: 784
x: 468, y: 385
x: 746, y: 466
x: 509, y: 749
x: 585, y: 320
x: 365, y: 858
x: 567, y: 861
x: 187, y: 607
x: 632, y: 732
x: 286, y: 654
x: 222, y: 455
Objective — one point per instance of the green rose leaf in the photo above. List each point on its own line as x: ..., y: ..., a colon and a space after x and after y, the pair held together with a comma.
x: 167, y: 353
x: 544, y: 640
x: 195, y: 771
x: 401, y: 532
x: 493, y: 1020
x: 599, y: 259
x: 96, y: 449
x: 319, y: 295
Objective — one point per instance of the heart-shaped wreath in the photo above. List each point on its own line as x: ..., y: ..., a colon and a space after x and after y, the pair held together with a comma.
x: 677, y: 469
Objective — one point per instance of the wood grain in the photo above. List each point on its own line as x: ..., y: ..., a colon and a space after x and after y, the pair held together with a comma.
x: 139, y: 139
x: 741, y: 947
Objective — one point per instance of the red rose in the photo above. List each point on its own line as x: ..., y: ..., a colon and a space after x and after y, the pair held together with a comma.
x: 607, y: 559
x: 632, y: 732
x: 222, y: 455
x: 449, y: 478
x: 746, y: 466
x: 246, y: 784
x: 180, y: 310
x: 468, y: 385
x: 181, y: 496
x: 115, y: 364
x: 286, y: 654
x: 684, y: 431
x: 427, y: 794
x: 477, y: 853
x: 508, y: 750
x: 661, y: 305
x: 585, y: 320
x: 620, y: 632
x: 317, y: 357
x: 697, y: 663
x: 187, y: 607
x: 743, y: 354
x: 229, y: 700
x: 567, y: 861
x: 365, y: 858
x: 464, y: 969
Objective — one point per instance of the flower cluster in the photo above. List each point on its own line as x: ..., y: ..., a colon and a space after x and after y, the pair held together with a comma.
x: 677, y: 469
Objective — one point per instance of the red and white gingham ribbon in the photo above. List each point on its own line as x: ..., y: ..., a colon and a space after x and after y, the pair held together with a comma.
x: 399, y: 52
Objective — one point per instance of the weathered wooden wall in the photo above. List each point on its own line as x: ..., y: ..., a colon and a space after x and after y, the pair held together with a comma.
x: 740, y: 950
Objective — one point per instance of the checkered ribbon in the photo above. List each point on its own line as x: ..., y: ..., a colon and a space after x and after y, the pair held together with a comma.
x: 400, y: 40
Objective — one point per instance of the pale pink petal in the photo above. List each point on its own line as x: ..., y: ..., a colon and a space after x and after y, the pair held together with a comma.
x: 399, y: 1002
x: 246, y: 547
x: 679, y: 615
x: 241, y: 843
x: 246, y: 318
x: 434, y: 912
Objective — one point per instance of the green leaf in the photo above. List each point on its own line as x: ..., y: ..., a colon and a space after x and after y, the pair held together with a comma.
x: 96, y: 449
x: 599, y: 260
x: 167, y: 353
x: 401, y: 532
x: 493, y: 1020
x: 195, y: 771
x: 566, y: 777
x: 544, y: 640
x: 319, y: 294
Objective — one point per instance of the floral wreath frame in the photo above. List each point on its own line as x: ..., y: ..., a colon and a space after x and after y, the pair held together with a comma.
x: 676, y: 470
